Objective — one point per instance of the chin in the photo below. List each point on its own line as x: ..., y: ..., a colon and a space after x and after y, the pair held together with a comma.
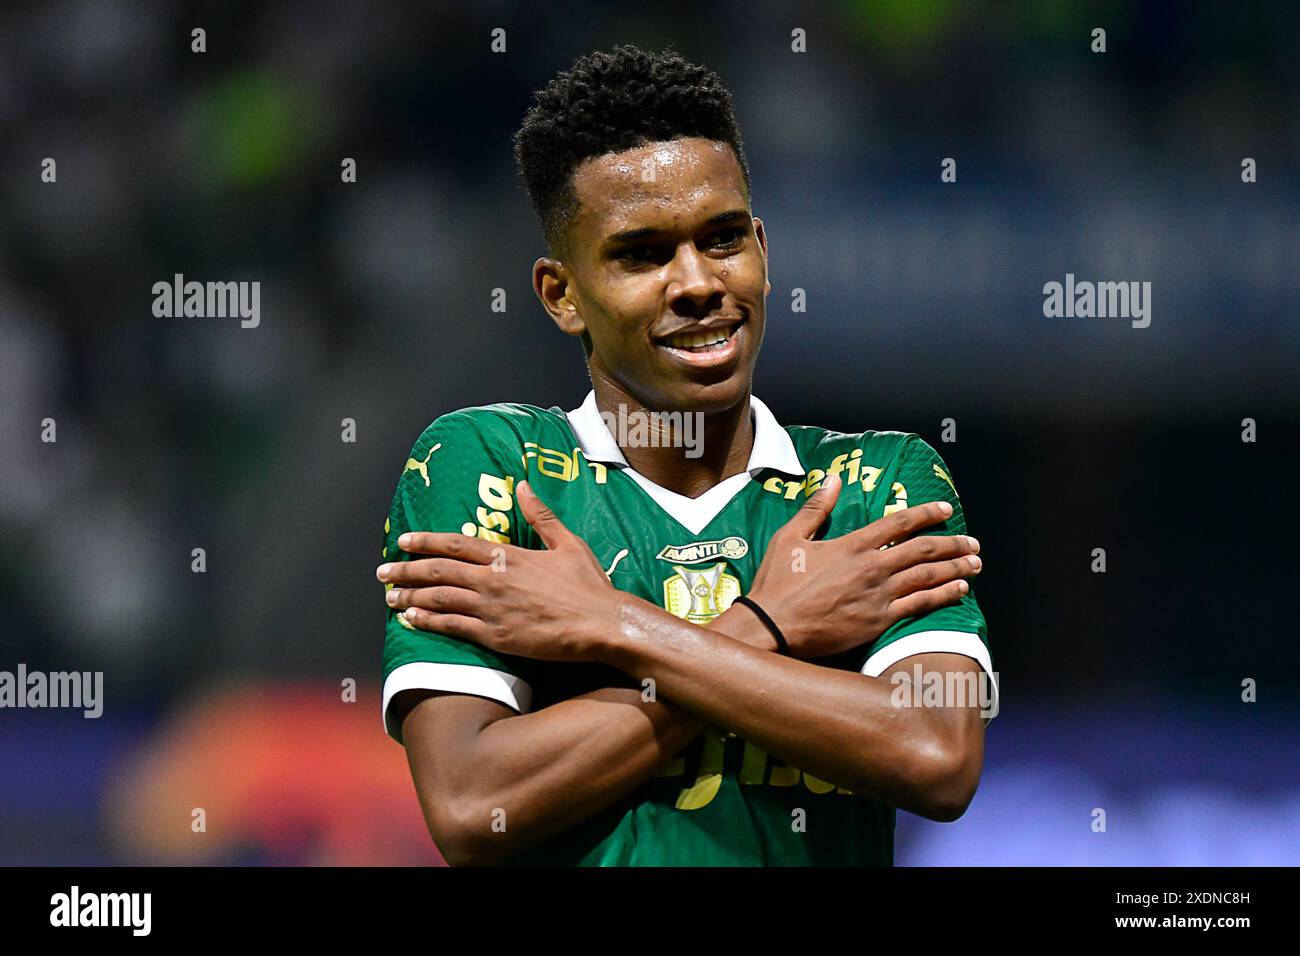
x: 705, y: 396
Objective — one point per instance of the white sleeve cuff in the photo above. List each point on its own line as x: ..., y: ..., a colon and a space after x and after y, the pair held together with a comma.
x: 487, y: 682
x: 937, y: 642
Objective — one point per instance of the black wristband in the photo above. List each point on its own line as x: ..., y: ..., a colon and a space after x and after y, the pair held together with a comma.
x: 781, y: 646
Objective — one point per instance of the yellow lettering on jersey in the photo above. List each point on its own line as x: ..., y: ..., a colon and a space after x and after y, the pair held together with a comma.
x: 754, y: 765
x: 867, y: 475
x: 870, y: 474
x: 552, y: 463
x: 602, y: 473
x: 709, y: 779
x: 556, y: 464
x: 783, y: 776
x: 496, y: 493
x: 530, y: 451
x: 779, y: 486
x: 900, y: 499
x: 855, y: 461
x: 493, y: 519
x: 815, y: 784
x: 753, y: 769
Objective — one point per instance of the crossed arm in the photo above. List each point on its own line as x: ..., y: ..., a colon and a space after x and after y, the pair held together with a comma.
x: 560, y: 765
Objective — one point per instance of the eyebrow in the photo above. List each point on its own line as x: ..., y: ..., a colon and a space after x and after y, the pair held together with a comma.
x: 631, y: 235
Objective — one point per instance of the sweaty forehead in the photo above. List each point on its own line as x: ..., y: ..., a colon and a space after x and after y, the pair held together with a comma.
x: 672, y: 179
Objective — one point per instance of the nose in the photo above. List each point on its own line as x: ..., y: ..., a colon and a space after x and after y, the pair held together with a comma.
x: 694, y: 278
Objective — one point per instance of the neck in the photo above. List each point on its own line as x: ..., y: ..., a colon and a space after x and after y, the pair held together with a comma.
x: 720, y: 442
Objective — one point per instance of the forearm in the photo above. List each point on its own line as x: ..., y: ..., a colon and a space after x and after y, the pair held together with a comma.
x: 837, y: 725
x: 549, y: 770
x: 554, y: 768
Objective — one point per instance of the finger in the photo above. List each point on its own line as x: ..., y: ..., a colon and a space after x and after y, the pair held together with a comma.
x: 437, y: 600
x: 928, y: 547
x: 448, y: 544
x: 814, y: 512
x: 544, y: 521
x: 903, y: 524
x: 428, y: 572
x: 452, y: 625
x: 922, y: 576
x: 922, y: 602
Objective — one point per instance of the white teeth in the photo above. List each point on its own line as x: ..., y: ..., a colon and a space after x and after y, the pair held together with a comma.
x: 700, y: 340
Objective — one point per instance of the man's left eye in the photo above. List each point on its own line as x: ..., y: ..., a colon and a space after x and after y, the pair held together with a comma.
x: 729, y: 238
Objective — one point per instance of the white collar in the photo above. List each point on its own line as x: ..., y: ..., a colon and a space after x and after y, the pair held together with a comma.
x: 772, y: 449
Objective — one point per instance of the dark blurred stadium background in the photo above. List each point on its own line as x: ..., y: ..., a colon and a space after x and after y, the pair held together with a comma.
x: 1120, y: 690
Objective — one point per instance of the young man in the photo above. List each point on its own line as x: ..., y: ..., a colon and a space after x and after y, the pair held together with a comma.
x: 571, y: 679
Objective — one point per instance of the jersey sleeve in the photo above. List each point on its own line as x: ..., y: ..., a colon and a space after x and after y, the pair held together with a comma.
x: 922, y: 476
x: 459, y: 477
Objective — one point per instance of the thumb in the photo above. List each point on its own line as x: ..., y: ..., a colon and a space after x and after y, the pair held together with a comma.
x: 543, y: 520
x: 816, y: 509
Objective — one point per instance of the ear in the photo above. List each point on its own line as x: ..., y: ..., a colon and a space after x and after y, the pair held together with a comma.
x: 762, y: 244
x: 553, y: 285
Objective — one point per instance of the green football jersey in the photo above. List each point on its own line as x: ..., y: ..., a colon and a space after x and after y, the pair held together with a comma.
x: 722, y: 801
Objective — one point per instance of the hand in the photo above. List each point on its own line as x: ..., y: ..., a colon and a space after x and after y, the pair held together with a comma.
x: 554, y: 605
x: 849, y: 590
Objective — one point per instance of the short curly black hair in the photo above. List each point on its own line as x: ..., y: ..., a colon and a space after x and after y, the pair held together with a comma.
x: 609, y: 102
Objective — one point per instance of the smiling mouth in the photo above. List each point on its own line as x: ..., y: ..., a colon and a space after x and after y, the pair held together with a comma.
x: 702, y: 343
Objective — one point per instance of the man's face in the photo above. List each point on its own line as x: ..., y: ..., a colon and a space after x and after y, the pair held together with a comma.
x: 667, y: 274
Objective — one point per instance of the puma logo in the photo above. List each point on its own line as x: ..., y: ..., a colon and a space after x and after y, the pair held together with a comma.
x: 421, y: 466
x: 617, y: 558
x: 940, y: 473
